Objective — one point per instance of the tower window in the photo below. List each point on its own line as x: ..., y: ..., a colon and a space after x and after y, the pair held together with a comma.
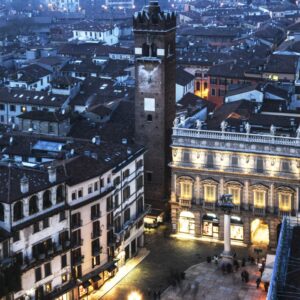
x: 149, y: 176
x: 153, y: 50
x: 145, y: 50
x: 149, y: 118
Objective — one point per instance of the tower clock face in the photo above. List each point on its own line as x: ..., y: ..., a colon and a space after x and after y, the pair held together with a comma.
x: 149, y: 78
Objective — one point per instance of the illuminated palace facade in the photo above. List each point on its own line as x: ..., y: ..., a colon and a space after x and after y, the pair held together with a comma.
x: 261, y: 172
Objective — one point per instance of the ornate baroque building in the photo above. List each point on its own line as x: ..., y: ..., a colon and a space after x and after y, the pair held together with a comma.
x: 261, y: 172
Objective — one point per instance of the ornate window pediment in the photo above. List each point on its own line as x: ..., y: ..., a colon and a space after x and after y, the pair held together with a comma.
x: 285, y: 189
x: 233, y: 184
x: 209, y: 181
x: 185, y: 179
x: 259, y: 187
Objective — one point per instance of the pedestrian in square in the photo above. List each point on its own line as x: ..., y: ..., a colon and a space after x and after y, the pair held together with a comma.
x: 258, y: 281
x: 243, y: 276
x: 246, y: 276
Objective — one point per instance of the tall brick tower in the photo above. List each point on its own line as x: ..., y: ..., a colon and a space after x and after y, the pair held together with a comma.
x: 155, y: 69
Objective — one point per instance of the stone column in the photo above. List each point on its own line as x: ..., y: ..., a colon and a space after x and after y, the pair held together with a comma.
x: 227, y: 247
x: 197, y: 190
x: 246, y: 195
x: 221, y: 227
x: 221, y: 187
x: 271, y: 203
x: 295, y: 206
x: 174, y: 183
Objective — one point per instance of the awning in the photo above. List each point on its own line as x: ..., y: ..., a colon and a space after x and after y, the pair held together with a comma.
x: 270, y: 261
x: 213, y: 219
x: 111, y: 268
x: 86, y: 284
x: 96, y: 278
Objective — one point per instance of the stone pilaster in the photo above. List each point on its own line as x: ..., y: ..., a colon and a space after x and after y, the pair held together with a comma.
x: 296, y: 200
x: 174, y: 219
x: 272, y: 201
x: 197, y: 223
x: 247, y: 230
x: 273, y: 223
x: 246, y: 195
x: 197, y: 189
x: 221, y: 190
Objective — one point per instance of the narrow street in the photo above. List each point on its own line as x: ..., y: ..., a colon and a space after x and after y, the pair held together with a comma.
x: 167, y: 255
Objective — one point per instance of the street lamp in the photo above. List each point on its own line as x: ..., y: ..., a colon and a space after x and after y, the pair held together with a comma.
x: 134, y: 296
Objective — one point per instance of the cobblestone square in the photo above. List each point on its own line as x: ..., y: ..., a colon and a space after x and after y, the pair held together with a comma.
x: 167, y: 255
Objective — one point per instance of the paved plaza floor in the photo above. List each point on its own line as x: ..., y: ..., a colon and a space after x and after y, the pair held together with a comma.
x: 167, y: 254
x: 205, y: 281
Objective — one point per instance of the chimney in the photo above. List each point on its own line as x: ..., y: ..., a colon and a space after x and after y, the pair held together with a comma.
x: 52, y: 174
x: 24, y: 185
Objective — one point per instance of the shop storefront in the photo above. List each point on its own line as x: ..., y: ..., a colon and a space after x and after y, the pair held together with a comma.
x: 236, y: 228
x: 210, y: 225
x: 187, y: 223
x: 97, y: 279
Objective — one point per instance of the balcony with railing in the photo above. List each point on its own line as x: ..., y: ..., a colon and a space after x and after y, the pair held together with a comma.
x: 120, y: 230
x: 96, y: 215
x: 233, y: 140
x: 76, y: 224
x: 77, y: 260
x: 95, y: 234
x: 46, y: 254
x: 185, y: 202
x: 77, y: 243
x: 96, y: 251
x: 209, y: 204
x: 258, y: 210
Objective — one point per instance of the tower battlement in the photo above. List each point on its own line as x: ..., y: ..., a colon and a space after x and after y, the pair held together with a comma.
x: 152, y: 18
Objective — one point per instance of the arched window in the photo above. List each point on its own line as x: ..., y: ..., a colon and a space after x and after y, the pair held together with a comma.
x: 18, y: 211
x: 1, y: 212
x: 33, y: 205
x: 198, y: 86
x: 47, y: 200
x: 59, y: 194
x: 146, y: 49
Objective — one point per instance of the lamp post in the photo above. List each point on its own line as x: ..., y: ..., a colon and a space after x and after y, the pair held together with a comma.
x: 225, y: 203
